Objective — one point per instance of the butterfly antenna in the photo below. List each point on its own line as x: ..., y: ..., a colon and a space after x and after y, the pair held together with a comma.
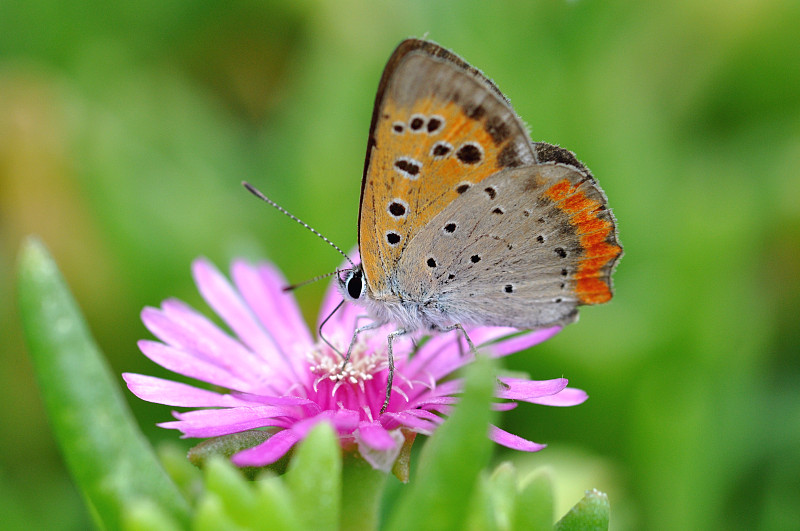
x: 309, y: 281
x: 253, y: 190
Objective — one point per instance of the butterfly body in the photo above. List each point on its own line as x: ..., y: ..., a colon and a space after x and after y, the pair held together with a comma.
x: 464, y: 220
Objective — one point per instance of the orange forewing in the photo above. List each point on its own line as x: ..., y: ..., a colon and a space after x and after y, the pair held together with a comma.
x: 433, y: 189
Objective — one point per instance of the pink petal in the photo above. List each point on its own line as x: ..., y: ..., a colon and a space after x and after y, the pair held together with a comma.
x: 518, y: 343
x: 277, y: 311
x: 267, y: 452
x: 276, y: 446
x: 382, y: 458
x: 182, y: 362
x: 215, y: 422
x: 446, y: 389
x: 205, y: 338
x: 413, y: 422
x: 568, y: 397
x: 483, y: 335
x: 440, y: 350
x: 269, y: 400
x: 437, y: 400
x: 425, y: 414
x: 512, y: 441
x: 527, y: 390
x: 177, y: 394
x: 342, y: 420
x: 444, y: 354
x: 179, y: 326
x: 441, y: 356
x: 227, y: 303
x: 376, y: 436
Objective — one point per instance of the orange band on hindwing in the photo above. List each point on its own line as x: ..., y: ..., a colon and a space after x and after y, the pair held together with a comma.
x: 592, y: 285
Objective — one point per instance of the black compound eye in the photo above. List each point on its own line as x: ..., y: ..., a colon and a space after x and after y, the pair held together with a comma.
x: 354, y: 285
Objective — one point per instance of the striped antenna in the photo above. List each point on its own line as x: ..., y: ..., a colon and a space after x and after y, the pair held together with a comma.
x: 253, y: 190
x: 309, y: 281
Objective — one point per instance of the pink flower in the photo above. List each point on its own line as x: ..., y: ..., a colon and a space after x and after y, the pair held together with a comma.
x: 279, y: 376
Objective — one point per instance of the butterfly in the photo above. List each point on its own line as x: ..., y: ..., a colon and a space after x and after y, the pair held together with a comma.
x: 464, y: 221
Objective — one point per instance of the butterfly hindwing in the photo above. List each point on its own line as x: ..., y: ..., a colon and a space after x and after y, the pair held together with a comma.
x: 516, y: 250
x: 439, y: 128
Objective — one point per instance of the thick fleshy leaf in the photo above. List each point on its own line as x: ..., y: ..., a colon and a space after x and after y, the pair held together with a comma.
x: 451, y: 460
x: 314, y: 479
x: 503, y: 492
x: 104, y: 450
x: 592, y: 512
x: 533, y: 508
x: 144, y: 515
x: 229, y: 445
x: 363, y: 487
x: 275, y: 500
x: 235, y: 493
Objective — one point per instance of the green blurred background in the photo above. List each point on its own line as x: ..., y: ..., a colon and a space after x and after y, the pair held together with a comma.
x: 125, y: 130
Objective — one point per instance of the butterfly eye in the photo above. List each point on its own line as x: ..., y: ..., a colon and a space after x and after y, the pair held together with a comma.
x: 355, y: 285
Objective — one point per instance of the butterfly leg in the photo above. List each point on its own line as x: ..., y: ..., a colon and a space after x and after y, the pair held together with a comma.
x: 355, y: 337
x: 471, y: 347
x: 389, y: 340
x: 464, y: 332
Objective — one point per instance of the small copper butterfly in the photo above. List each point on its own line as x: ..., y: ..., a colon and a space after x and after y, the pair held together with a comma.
x: 464, y: 221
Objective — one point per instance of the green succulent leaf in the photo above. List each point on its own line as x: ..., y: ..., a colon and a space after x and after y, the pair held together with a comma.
x: 451, y: 461
x: 589, y: 514
x: 533, y: 507
x: 107, y: 455
x: 314, y: 479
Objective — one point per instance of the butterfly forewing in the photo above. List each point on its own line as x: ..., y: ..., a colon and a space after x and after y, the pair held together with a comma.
x: 439, y: 129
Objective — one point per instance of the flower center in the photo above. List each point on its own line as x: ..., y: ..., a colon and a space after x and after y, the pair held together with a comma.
x: 328, y: 364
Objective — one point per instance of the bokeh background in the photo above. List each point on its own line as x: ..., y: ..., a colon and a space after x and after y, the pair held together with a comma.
x: 126, y: 128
